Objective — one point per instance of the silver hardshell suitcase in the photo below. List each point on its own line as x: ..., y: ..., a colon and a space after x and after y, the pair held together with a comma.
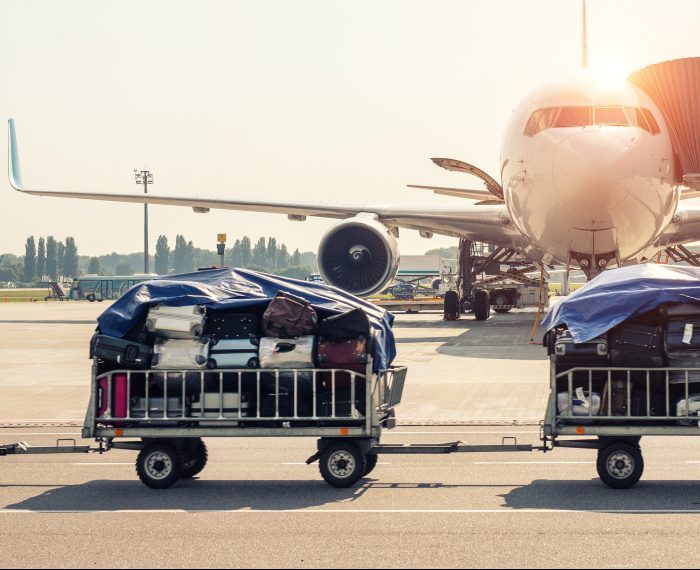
x: 287, y: 352
x: 180, y: 354
x: 215, y: 407
x: 176, y: 322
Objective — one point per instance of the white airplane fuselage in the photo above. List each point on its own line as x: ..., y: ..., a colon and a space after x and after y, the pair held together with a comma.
x: 602, y: 191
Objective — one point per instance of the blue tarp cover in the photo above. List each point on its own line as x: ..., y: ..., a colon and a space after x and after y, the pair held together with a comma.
x: 618, y: 294
x: 238, y: 290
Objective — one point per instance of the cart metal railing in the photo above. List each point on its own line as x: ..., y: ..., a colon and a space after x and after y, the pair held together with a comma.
x: 671, y: 383
x: 265, y: 397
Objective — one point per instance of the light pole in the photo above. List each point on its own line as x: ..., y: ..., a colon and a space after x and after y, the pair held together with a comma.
x: 144, y: 177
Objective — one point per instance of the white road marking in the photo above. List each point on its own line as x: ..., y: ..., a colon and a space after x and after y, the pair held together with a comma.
x: 534, y: 463
x: 96, y: 464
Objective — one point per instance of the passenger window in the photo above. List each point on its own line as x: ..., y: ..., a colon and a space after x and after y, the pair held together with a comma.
x: 574, y: 117
x: 653, y: 125
x: 540, y: 120
x: 610, y: 116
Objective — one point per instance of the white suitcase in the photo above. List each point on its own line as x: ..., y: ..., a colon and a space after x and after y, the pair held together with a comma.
x: 176, y: 322
x: 582, y: 403
x: 180, y: 354
x: 287, y: 352
x: 691, y: 408
x: 213, y: 405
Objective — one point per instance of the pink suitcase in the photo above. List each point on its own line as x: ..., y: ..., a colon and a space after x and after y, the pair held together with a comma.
x: 118, y: 408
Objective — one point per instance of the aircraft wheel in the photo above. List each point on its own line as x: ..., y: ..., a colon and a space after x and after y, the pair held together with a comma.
x: 482, y: 304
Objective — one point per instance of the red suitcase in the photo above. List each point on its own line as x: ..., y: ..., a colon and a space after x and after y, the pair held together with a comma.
x: 346, y: 354
x: 118, y: 407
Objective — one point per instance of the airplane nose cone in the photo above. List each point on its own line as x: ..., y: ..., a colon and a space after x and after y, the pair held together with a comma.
x: 593, y: 171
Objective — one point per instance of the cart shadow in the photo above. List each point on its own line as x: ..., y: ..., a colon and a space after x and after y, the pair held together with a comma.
x: 202, y: 496
x: 647, y: 497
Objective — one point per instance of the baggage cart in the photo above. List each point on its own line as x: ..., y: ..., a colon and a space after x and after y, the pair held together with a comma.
x: 635, y: 402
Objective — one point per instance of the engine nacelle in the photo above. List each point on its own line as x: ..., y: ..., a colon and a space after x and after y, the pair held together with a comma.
x: 359, y: 255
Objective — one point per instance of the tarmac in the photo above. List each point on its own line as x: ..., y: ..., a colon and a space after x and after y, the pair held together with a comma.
x: 257, y: 504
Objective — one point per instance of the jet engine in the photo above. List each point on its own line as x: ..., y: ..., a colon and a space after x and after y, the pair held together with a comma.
x: 359, y: 255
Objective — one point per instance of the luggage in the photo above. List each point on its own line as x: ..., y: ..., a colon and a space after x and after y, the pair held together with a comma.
x: 118, y: 406
x: 683, y: 337
x: 289, y: 316
x: 637, y: 346
x: 156, y: 407
x: 232, y: 326
x: 269, y: 403
x: 342, y: 409
x: 345, y: 354
x: 591, y: 353
x: 128, y: 353
x: 670, y: 311
x: 215, y: 407
x: 691, y: 407
x: 170, y: 353
x: 287, y: 352
x: 582, y: 403
x: 451, y: 306
x: 353, y: 324
x: 176, y: 322
x: 234, y: 353
x: 619, y: 400
x: 682, y: 344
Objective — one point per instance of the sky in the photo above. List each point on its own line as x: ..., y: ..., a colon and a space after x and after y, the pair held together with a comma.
x: 308, y: 100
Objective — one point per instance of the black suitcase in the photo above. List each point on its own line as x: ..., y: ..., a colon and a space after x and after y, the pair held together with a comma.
x: 591, y: 353
x: 350, y: 325
x: 636, y: 346
x: 683, y: 337
x: 679, y: 311
x: 127, y: 353
x: 232, y: 326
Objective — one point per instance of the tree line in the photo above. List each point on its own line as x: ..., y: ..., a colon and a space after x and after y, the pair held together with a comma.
x: 53, y: 258
x: 47, y: 258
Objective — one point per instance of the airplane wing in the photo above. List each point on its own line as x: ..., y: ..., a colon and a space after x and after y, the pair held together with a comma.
x: 489, y: 223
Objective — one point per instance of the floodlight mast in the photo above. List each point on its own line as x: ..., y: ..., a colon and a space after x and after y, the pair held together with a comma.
x: 144, y: 177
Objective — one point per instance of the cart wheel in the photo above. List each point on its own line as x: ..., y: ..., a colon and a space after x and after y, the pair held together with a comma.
x: 620, y: 465
x: 159, y: 465
x: 194, y: 460
x: 342, y: 464
x: 371, y: 462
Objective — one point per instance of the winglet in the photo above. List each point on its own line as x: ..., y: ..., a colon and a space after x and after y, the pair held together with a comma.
x: 13, y: 169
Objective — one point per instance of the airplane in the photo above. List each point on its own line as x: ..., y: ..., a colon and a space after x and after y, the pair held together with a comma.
x: 592, y: 176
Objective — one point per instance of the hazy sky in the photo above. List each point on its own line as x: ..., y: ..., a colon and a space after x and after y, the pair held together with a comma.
x: 309, y: 100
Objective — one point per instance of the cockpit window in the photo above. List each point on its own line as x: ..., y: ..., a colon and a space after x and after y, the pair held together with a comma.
x: 574, y: 117
x: 562, y: 117
x: 653, y: 125
x: 610, y: 116
x: 541, y: 120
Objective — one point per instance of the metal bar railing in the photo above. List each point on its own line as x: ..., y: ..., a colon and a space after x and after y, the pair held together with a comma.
x: 152, y: 393
x: 619, y: 390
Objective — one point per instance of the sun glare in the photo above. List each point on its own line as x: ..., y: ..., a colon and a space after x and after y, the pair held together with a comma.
x: 610, y: 74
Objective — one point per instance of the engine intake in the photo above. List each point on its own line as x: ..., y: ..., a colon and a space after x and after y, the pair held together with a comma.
x: 359, y: 255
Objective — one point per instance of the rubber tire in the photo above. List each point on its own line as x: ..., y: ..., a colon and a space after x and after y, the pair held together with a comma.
x: 371, y: 460
x: 633, y: 453
x: 502, y: 310
x: 193, y: 462
x: 173, y: 456
x: 330, y: 453
x: 482, y: 305
x: 91, y: 298
x: 451, y: 305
